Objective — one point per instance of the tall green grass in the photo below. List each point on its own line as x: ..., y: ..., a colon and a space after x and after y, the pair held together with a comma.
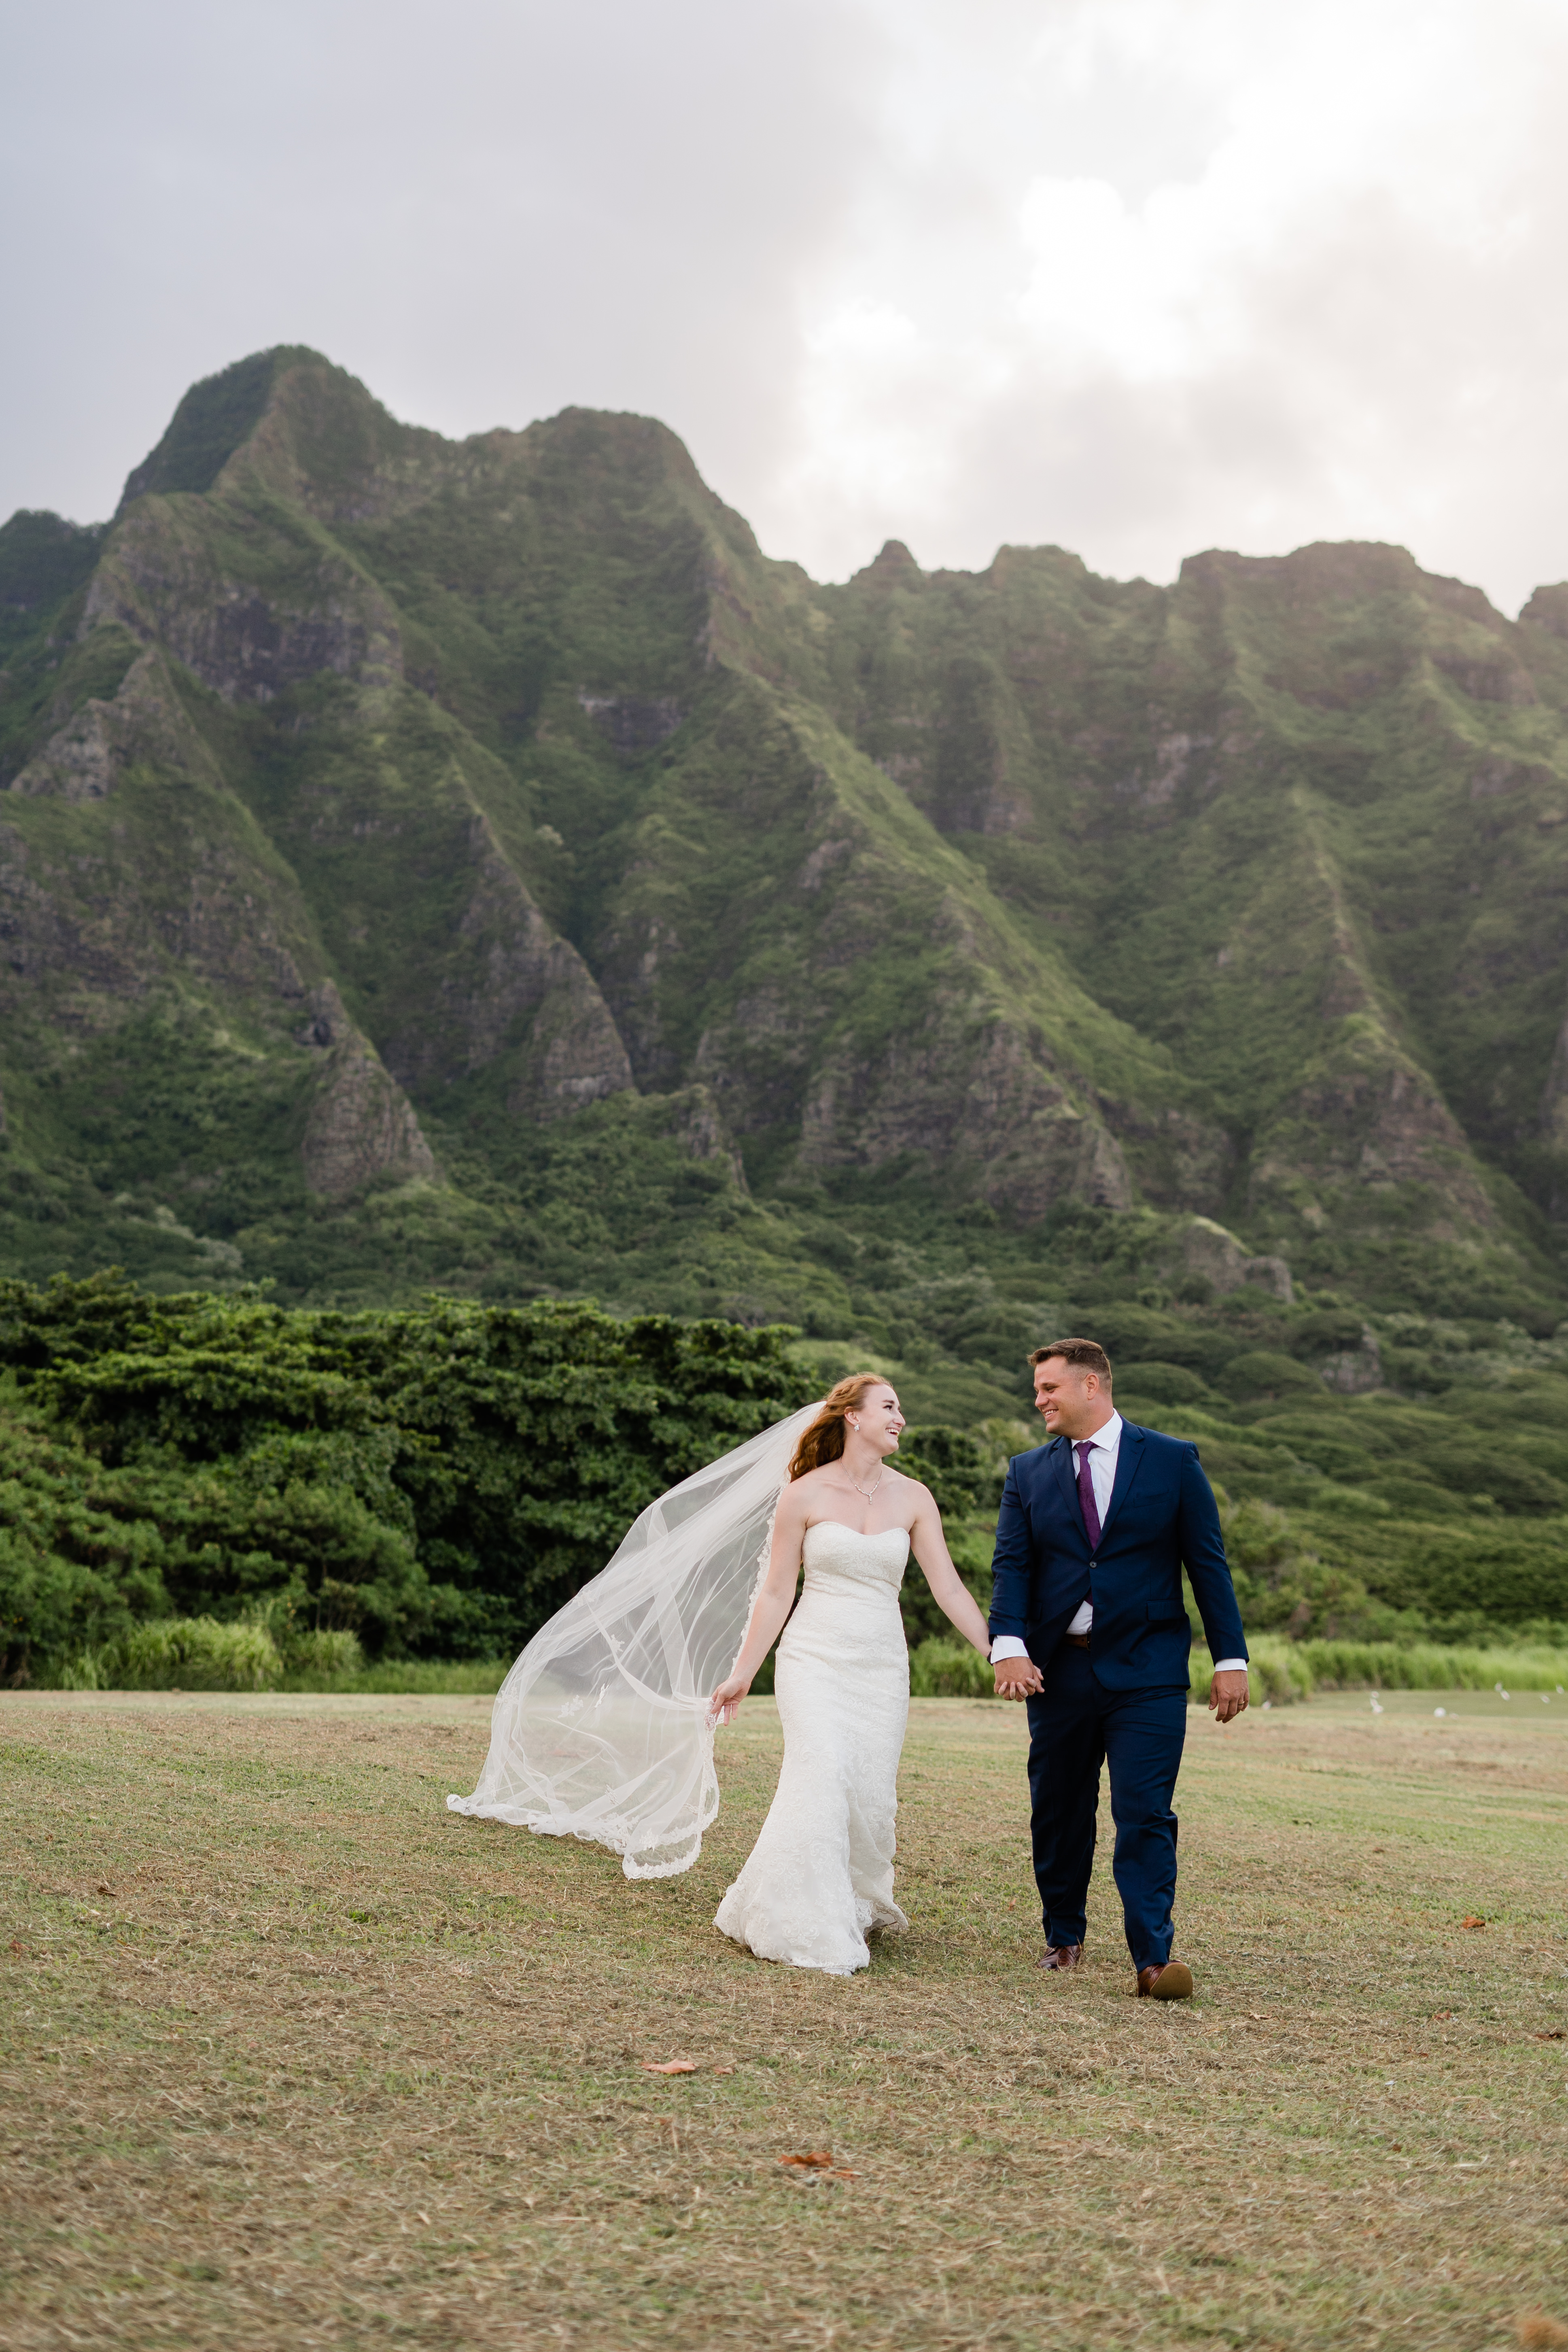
x: 200, y: 1653
x: 206, y: 1653
x: 1284, y: 1671
x: 180, y: 1653
x: 418, y: 1678
x: 252, y: 1653
x: 939, y: 1669
x: 1426, y: 1666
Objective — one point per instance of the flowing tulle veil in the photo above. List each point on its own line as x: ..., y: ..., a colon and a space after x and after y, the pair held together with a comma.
x: 600, y: 1731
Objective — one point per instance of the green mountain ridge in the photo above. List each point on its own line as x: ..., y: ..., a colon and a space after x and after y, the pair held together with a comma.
x: 478, y: 865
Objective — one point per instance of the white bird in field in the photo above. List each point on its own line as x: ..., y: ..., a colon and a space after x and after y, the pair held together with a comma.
x: 1376, y: 1708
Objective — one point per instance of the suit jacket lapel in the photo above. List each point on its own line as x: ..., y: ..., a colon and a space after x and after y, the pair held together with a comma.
x: 1129, y: 1462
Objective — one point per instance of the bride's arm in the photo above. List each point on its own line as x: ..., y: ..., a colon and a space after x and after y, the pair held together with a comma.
x: 772, y: 1605
x: 949, y: 1590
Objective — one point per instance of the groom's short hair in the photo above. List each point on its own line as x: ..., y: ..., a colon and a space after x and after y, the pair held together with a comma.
x: 1088, y: 1353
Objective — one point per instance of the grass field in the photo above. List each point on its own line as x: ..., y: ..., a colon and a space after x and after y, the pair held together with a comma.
x: 292, y: 2057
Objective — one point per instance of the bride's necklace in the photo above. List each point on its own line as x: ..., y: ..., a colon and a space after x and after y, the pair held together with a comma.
x: 867, y: 1491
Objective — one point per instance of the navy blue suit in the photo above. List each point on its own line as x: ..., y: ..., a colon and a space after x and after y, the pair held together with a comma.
x: 1123, y: 1701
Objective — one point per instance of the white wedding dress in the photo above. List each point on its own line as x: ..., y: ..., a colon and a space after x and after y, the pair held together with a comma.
x: 602, y: 1729
x: 820, y: 1877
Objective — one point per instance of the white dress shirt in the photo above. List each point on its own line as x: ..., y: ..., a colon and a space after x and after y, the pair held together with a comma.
x: 1104, y: 1446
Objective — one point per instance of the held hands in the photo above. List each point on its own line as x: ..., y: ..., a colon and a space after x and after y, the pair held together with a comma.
x: 1018, y: 1678
x: 1227, y: 1695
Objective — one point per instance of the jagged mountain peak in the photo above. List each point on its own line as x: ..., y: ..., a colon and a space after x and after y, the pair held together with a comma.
x: 893, y: 566
x: 1242, y: 898
x: 214, y: 419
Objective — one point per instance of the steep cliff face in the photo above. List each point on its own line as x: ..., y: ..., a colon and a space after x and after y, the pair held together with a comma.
x: 1298, y: 820
x: 359, y: 1125
x: 1243, y: 899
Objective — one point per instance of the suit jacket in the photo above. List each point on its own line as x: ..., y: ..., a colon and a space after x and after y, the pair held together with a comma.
x: 1162, y: 1517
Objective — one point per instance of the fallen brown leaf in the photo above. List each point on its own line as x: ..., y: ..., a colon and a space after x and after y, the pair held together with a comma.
x: 1538, y: 2332
x: 1471, y: 1919
x: 1556, y: 2034
x: 818, y: 2159
x: 670, y: 2066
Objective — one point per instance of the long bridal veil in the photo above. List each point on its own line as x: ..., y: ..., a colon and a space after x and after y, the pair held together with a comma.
x: 601, y: 1729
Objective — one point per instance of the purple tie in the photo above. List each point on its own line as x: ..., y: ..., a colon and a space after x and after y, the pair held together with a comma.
x: 1086, y: 1495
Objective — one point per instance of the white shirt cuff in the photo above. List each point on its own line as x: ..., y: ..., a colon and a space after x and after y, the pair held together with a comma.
x: 1007, y: 1645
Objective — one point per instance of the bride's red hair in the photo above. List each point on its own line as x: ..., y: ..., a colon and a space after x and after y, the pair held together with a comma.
x: 823, y: 1440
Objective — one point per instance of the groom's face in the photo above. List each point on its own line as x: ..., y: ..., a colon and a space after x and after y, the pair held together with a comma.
x: 1071, y: 1399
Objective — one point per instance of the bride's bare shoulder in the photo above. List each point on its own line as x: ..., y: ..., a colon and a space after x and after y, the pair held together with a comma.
x: 915, y: 1489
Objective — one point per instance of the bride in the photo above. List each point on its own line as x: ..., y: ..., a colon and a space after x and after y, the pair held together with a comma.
x: 819, y: 1879
x: 604, y: 1729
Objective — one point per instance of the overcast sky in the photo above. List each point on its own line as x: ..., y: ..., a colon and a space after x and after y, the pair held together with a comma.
x: 1138, y: 276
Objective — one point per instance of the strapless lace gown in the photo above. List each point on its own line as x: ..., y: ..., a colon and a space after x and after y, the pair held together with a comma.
x: 820, y: 1877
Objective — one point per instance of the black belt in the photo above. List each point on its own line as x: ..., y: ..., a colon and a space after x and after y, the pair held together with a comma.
x: 1079, y: 1640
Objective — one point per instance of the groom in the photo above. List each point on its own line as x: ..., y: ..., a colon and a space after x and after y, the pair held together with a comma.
x: 1087, y: 1625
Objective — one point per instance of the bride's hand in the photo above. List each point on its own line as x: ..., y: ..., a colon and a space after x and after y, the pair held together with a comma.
x: 726, y: 1699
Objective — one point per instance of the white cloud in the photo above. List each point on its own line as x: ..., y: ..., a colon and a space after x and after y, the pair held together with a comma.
x: 1135, y: 276
x: 1298, y: 295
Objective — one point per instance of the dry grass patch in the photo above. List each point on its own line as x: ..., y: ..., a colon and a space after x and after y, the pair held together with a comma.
x: 294, y: 2057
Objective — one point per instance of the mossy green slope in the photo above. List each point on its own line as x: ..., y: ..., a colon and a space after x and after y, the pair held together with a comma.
x: 1298, y: 821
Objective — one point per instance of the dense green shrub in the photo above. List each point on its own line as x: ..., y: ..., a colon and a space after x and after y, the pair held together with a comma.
x: 949, y: 1669
x: 1165, y: 1383
x: 431, y: 1482
x: 1144, y: 1335
x: 1330, y: 1331
x: 1507, y: 1574
x: 954, y: 1465
x: 436, y: 1481
x: 316, y: 1656
x: 197, y: 1654
x: 1266, y: 1373
x: 88, y: 1549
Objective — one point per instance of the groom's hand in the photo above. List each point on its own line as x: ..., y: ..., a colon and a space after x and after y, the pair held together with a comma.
x: 1227, y: 1695
x: 1018, y: 1678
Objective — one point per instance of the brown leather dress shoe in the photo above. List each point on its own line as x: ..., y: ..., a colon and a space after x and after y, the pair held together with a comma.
x: 1061, y: 1955
x: 1173, y: 1982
